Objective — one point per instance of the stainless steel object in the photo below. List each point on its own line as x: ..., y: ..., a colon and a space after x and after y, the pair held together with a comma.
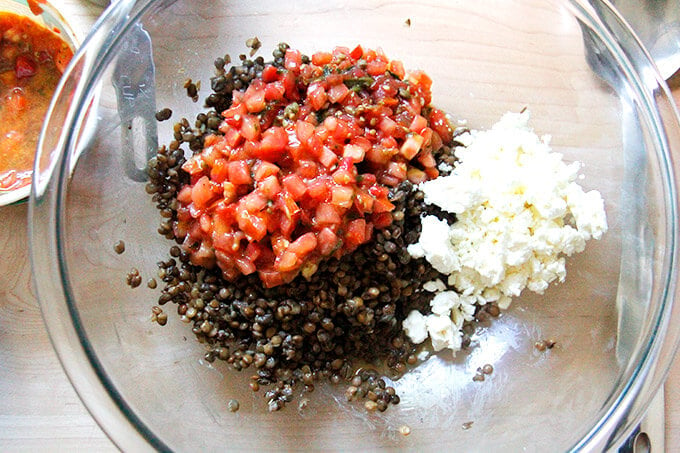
x: 134, y: 82
x: 657, y: 24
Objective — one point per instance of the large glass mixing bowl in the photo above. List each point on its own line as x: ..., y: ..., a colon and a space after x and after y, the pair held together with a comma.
x: 588, y: 84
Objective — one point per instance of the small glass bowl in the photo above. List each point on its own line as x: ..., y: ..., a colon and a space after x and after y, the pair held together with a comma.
x: 47, y: 15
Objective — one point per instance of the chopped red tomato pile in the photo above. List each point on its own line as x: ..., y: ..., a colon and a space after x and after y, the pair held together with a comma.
x: 305, y: 161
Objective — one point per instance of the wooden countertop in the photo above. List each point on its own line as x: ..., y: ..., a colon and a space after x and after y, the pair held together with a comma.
x: 39, y: 410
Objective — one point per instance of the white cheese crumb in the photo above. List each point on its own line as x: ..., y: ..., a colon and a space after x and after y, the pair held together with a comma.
x: 443, y: 333
x: 519, y: 211
x: 415, y: 327
x: 434, y: 285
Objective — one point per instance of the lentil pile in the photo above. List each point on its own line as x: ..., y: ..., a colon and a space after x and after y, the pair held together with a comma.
x: 341, y: 323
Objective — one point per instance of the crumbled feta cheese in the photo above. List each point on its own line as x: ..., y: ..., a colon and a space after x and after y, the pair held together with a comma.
x: 415, y: 327
x: 443, y: 333
x: 434, y: 285
x: 430, y: 246
x: 444, y: 302
x: 519, y: 211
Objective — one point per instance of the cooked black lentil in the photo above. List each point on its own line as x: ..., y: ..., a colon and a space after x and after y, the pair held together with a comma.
x: 348, y: 313
x: 254, y: 44
x: 158, y: 315
x: 134, y: 279
x: 542, y: 345
x: 163, y: 114
x: 119, y: 247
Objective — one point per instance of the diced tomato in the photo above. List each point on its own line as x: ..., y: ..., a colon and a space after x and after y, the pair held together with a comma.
x: 322, y: 58
x: 219, y: 170
x: 254, y: 202
x: 411, y: 146
x: 255, y: 100
x: 316, y: 95
x: 425, y: 158
x: 270, y: 278
x: 343, y: 176
x: 232, y: 137
x: 363, y: 202
x: 387, y: 125
x: 420, y: 80
x: 418, y: 124
x: 342, y: 196
x: 353, y: 152
x: 292, y: 60
x: 273, y: 144
x: 245, y: 265
x: 436, y: 141
x: 239, y: 172
x: 288, y: 206
x: 201, y: 193
x: 380, y: 155
x: 382, y: 219
x: 295, y: 186
x: 416, y: 175
x: 270, y: 73
x: 319, y: 189
x: 234, y: 114
x: 250, y: 127
x: 397, y: 68
x: 304, y: 131
x: 397, y: 169
x: 287, y: 261
x: 205, y: 221
x: 229, y: 192
x: 204, y: 256
x: 265, y: 169
x: 252, y: 225
x: 270, y: 186
x: 327, y: 241
x: 357, y: 53
x: 303, y: 245
x: 274, y: 91
x: 427, y: 134
x: 330, y: 123
x: 307, y: 169
x: 388, y: 180
x: 376, y: 67
x: 290, y: 84
x: 441, y: 125
x: 378, y: 191
x: 194, y: 165
x: 25, y: 66
x: 327, y: 157
x: 253, y: 251
x: 337, y: 93
x: 326, y: 214
x: 184, y: 195
x: 382, y: 205
x: 355, y: 233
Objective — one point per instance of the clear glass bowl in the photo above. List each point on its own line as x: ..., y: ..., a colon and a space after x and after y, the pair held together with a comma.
x: 590, y: 86
x: 48, y: 16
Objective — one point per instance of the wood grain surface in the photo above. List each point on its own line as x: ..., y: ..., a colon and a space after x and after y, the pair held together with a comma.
x: 39, y: 410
